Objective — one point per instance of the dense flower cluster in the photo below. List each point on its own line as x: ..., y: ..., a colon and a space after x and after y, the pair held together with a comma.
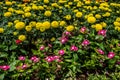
x: 58, y: 39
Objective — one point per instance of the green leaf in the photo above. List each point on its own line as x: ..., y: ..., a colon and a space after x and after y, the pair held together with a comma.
x: 75, y: 56
x: 23, y: 51
x: 2, y: 76
x: 12, y: 66
x: 13, y: 47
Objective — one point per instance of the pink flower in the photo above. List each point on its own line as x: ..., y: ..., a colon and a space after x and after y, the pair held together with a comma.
x: 51, y: 58
x: 100, y: 51
x: 83, y: 29
x: 85, y: 42
x: 73, y: 48
x: 102, y: 32
x: 24, y: 66
x: 18, y: 41
x: 111, y: 55
x: 61, y: 52
x: 34, y: 59
x: 63, y: 40
x: 67, y: 33
x: 22, y: 58
x: 5, y: 67
x: 42, y: 47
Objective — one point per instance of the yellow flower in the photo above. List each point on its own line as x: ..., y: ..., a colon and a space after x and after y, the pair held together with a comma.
x: 42, y: 29
x: 7, y: 14
x: 116, y: 23
x: 41, y: 7
x: 52, y: 39
x: 62, y: 23
x: 91, y: 19
x: 107, y: 14
x: 116, y: 27
x: 34, y: 7
x: 22, y: 37
x: 98, y: 27
x: 48, y: 13
x: 70, y: 28
x: 54, y: 24
x: 15, y: 33
x: 1, y: 30
x: 8, y: 3
x: 38, y: 25
x: 103, y: 24
x: 54, y: 4
x: 46, y: 1
x: 10, y: 9
x: 98, y: 16
x: 20, y: 25
x: 118, y: 19
x: 10, y: 24
x: 68, y: 17
x: 46, y: 24
x: 87, y: 2
x: 79, y: 14
x: 32, y: 23
x: 19, y: 12
x: 28, y: 28
x: 16, y: 21
x: 27, y: 14
x: 76, y: 10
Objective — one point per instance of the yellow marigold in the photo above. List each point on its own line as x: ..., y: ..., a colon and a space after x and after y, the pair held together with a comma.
x: 15, y: 33
x: 116, y: 27
x: 68, y: 17
x: 10, y: 24
x: 79, y: 14
x: 19, y: 12
x: 87, y: 2
x: 20, y: 25
x: 118, y: 19
x: 34, y: 7
x: 22, y: 37
x: 38, y: 25
x: 70, y: 28
x: 48, y: 13
x: 98, y: 27
x: 46, y: 1
x: 103, y: 24
x: 52, y: 39
x: 55, y: 24
x: 32, y: 23
x: 1, y: 30
x: 7, y: 14
x: 10, y: 9
x: 98, y: 16
x: 42, y: 29
x: 107, y: 14
x: 16, y: 21
x: 54, y: 4
x: 46, y: 24
x: 62, y: 23
x: 28, y: 28
x: 116, y: 23
x: 8, y: 3
x: 27, y: 14
x: 41, y: 7
x: 91, y: 20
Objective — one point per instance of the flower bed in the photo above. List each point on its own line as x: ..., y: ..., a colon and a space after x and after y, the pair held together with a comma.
x: 47, y: 39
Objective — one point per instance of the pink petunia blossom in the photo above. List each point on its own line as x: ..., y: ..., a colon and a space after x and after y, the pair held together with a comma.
x: 111, y: 55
